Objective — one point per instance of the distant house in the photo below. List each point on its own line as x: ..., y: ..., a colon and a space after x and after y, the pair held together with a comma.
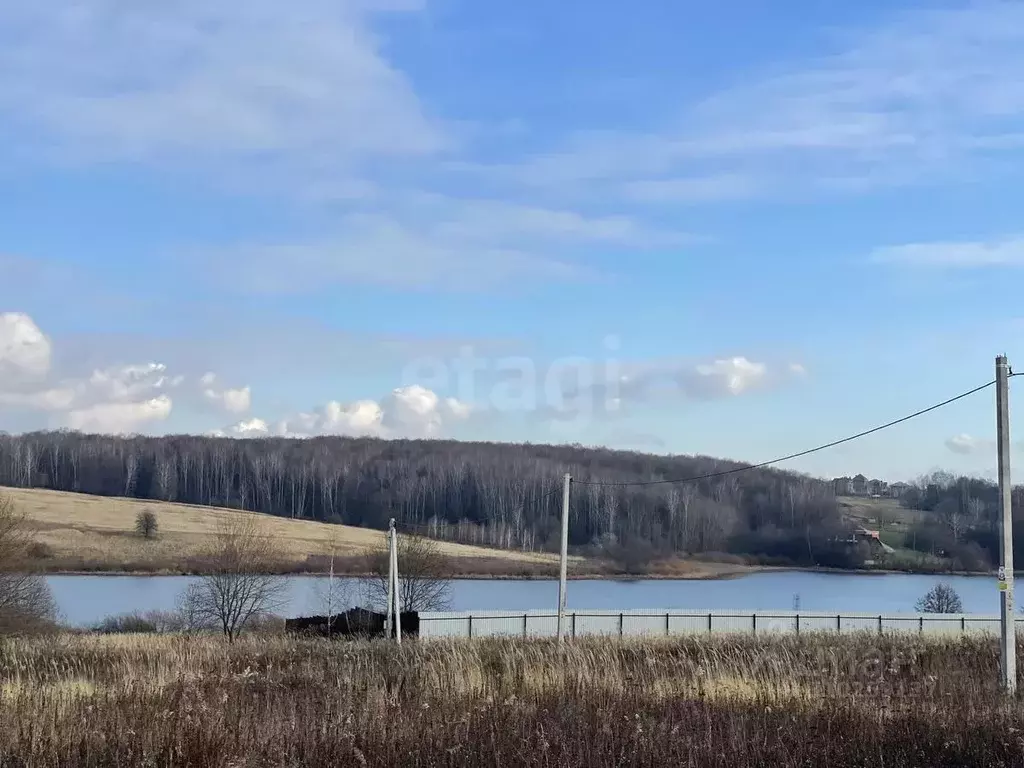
x: 859, y: 486
x: 878, y: 488
x: 899, y: 490
x: 843, y: 486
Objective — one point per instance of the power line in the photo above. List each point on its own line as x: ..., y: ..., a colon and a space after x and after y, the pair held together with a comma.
x: 834, y: 443
x: 734, y: 470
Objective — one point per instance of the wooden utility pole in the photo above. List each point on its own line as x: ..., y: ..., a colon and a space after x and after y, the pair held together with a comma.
x: 564, y: 566
x: 1008, y: 649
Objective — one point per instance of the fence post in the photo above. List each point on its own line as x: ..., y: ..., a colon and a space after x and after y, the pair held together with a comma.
x: 963, y: 625
x: 920, y: 625
x: 839, y: 623
x: 709, y: 622
x: 574, y: 624
x: 620, y: 625
x: 524, y: 625
x: 879, y: 623
x: 666, y: 624
x: 797, y: 623
x: 470, y: 625
x: 753, y: 623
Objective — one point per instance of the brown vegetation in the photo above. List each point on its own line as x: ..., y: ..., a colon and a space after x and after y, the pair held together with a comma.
x: 25, y: 599
x: 75, y: 532
x: 94, y: 533
x: 423, y: 582
x: 239, y: 583
x: 272, y: 701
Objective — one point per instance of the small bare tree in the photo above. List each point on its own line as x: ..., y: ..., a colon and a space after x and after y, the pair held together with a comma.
x: 423, y: 575
x: 25, y: 598
x: 145, y: 524
x: 241, y: 585
x: 335, y: 595
x: 941, y: 598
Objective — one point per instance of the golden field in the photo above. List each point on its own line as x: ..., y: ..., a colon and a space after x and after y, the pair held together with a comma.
x: 76, y: 532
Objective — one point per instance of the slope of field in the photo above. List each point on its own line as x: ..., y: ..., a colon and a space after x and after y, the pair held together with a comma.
x: 77, y: 532
x: 886, y: 516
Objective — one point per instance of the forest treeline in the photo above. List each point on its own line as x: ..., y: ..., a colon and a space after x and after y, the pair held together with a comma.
x: 961, y: 520
x: 509, y: 495
x: 505, y: 495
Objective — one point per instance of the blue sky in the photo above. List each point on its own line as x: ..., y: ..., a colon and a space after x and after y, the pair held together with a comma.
x: 737, y: 229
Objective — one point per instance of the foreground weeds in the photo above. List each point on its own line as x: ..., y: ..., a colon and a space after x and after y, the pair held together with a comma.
x: 799, y: 701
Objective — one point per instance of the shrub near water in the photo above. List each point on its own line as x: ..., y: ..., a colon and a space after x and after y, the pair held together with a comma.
x: 807, y: 701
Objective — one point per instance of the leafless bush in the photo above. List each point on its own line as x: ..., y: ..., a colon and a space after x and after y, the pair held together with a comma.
x: 423, y: 572
x: 242, y: 584
x: 26, y: 601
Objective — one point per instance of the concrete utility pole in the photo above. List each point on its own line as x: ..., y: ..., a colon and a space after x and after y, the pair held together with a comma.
x: 391, y: 576
x: 565, y: 556
x: 1008, y: 650
x: 398, y: 591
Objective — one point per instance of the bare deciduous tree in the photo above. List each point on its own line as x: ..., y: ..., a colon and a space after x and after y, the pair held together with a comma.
x: 333, y: 595
x: 941, y: 598
x: 423, y: 575
x: 25, y: 598
x: 242, y: 584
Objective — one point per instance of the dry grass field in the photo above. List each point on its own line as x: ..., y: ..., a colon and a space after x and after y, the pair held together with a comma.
x: 76, y: 532
x: 80, y: 532
x: 813, y: 700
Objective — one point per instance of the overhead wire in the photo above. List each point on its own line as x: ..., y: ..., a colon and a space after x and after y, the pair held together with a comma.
x: 733, y: 470
x: 788, y: 457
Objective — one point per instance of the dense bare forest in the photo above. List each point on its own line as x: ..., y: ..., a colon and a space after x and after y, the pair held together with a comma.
x: 486, y: 493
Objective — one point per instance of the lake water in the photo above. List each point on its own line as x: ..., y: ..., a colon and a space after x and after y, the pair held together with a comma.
x: 84, y: 600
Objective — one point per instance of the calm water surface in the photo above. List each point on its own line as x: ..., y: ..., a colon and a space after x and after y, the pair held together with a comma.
x: 84, y: 600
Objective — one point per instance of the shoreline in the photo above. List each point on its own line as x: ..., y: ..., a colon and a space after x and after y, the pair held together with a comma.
x: 736, y: 572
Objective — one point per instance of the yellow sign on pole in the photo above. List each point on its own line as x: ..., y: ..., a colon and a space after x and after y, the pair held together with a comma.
x: 1002, y: 586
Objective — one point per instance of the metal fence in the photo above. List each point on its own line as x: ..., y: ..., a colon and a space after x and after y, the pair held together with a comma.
x: 652, y: 623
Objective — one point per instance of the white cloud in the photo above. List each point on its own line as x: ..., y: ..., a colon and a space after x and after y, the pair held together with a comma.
x: 237, y: 400
x: 119, y: 418
x: 208, y: 80
x: 44, y: 400
x: 921, y: 94
x: 431, y: 241
x: 24, y: 349
x: 1005, y: 252
x: 969, y: 445
x: 246, y: 428
x: 963, y: 444
x: 661, y: 381
x: 411, y: 411
x: 695, y: 189
x: 362, y: 417
x: 117, y: 398
x: 733, y: 376
x: 130, y: 382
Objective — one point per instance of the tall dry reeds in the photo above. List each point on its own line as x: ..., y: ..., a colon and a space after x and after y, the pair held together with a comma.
x: 274, y: 701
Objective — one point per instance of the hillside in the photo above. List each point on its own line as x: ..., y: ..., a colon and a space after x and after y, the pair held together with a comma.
x: 92, y: 533
x: 493, y: 494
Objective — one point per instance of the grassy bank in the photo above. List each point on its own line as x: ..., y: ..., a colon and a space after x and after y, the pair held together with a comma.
x: 272, y: 701
x: 76, y: 533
